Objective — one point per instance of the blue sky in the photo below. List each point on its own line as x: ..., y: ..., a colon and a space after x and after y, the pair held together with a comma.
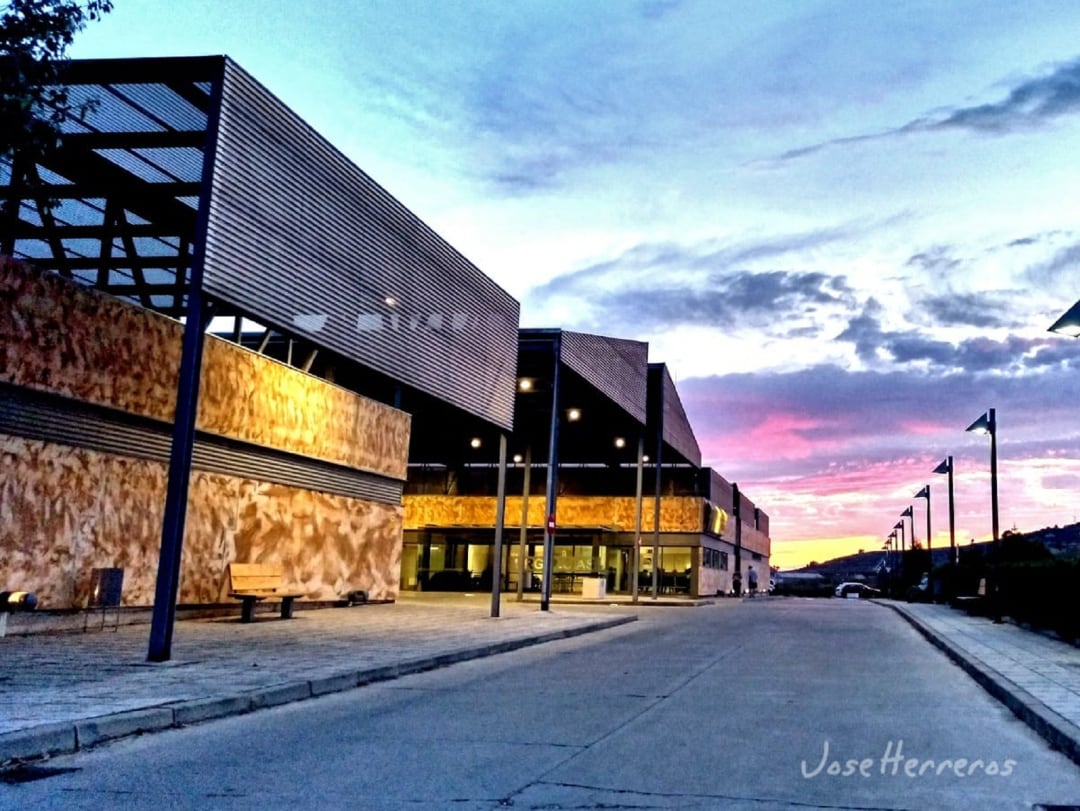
x: 845, y: 226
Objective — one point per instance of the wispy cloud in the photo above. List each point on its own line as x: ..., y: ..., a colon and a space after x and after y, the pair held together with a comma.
x: 1029, y: 105
x: 973, y: 355
x: 970, y: 309
x: 662, y: 285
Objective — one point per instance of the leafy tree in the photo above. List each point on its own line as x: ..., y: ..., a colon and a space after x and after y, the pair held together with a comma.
x: 34, y: 104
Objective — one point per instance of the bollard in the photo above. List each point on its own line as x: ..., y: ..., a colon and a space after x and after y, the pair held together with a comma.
x: 11, y: 601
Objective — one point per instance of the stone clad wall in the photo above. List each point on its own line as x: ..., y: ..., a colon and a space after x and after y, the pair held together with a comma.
x: 677, y: 513
x: 65, y: 510
x: 57, y: 336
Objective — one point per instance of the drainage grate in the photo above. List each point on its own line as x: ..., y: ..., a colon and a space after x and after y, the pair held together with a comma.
x: 29, y: 773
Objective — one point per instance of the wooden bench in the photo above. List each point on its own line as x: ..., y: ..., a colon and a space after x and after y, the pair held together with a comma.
x: 255, y: 582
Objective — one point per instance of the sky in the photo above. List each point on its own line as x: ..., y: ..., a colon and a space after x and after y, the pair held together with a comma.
x: 845, y: 226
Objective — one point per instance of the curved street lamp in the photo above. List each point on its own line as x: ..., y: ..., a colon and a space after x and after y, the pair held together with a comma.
x: 910, y: 513
x: 925, y: 493
x: 987, y: 424
x: 900, y: 558
x: 947, y: 467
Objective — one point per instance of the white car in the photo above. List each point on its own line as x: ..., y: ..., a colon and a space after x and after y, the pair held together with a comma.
x: 853, y: 590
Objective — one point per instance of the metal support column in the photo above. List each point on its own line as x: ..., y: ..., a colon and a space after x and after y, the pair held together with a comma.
x: 737, y: 515
x: 500, y: 515
x: 552, y: 479
x: 176, y: 493
x: 656, y: 502
x: 199, y: 313
x: 637, y: 517
x: 523, y: 539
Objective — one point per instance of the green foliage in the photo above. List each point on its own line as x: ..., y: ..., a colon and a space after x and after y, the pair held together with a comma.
x: 34, y: 104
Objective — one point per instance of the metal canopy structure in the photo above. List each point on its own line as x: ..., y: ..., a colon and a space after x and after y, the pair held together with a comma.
x: 292, y: 234
x: 190, y: 189
x: 115, y: 205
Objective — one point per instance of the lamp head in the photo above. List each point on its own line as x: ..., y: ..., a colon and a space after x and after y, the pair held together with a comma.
x: 983, y: 425
x: 907, y: 513
x: 924, y: 493
x: 1068, y: 324
x: 944, y: 467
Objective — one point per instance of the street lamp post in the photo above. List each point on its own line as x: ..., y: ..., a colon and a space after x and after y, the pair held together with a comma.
x: 925, y: 493
x: 910, y: 513
x: 987, y: 424
x: 900, y: 564
x: 947, y: 467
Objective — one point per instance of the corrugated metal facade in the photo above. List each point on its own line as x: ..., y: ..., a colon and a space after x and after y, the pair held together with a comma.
x: 301, y: 239
x: 677, y: 433
x: 677, y: 430
x: 616, y: 367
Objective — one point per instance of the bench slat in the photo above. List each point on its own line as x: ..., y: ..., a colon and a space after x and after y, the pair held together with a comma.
x: 255, y: 582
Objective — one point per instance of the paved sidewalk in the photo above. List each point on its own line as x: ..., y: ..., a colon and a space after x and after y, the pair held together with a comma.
x: 64, y: 691
x: 1035, y: 676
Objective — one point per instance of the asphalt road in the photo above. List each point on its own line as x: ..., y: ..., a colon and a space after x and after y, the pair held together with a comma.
x: 728, y: 706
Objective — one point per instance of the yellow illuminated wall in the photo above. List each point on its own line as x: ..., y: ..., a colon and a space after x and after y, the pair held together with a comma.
x: 66, y: 510
x: 677, y: 513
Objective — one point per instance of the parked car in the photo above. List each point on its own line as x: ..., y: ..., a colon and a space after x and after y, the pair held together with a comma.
x: 860, y: 590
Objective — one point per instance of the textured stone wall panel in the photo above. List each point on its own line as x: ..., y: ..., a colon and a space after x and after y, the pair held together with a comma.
x: 359, y: 542
x: 677, y: 513
x: 48, y: 502
x: 256, y: 399
x: 60, y: 337
x: 209, y: 533
x: 65, y: 511
x: 126, y: 532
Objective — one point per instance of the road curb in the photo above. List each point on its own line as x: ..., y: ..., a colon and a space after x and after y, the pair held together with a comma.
x: 1059, y: 732
x: 66, y: 737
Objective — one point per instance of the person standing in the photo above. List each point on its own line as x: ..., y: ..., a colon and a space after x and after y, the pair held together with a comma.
x: 736, y: 583
x: 751, y: 580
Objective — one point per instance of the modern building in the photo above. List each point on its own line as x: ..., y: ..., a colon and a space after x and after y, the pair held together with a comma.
x: 221, y: 341
x: 191, y: 200
x: 628, y: 498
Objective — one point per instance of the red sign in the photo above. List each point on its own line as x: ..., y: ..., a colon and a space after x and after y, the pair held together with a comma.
x: 551, y: 525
